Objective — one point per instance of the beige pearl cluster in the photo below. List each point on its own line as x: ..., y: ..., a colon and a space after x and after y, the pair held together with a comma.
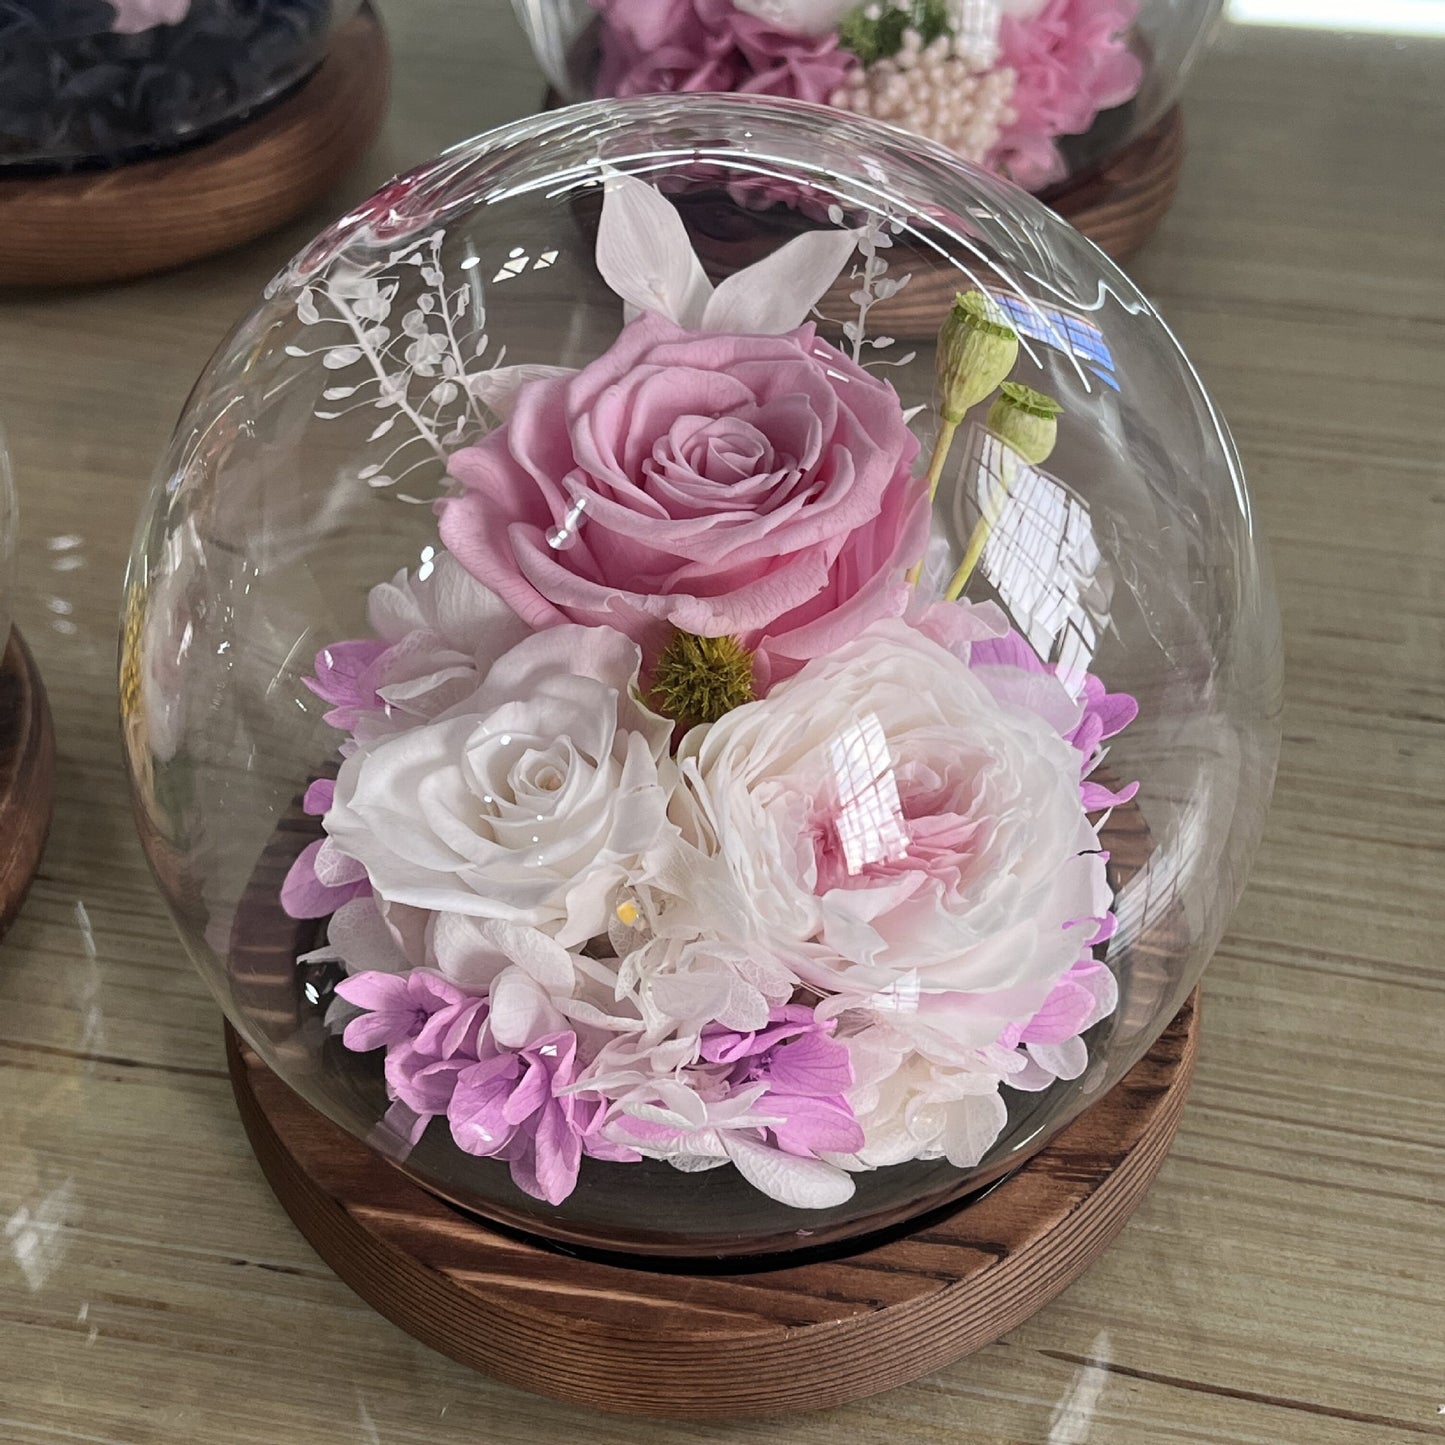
x: 943, y: 90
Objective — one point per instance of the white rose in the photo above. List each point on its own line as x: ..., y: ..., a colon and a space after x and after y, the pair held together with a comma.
x: 904, y: 838
x: 800, y: 17
x: 531, y: 802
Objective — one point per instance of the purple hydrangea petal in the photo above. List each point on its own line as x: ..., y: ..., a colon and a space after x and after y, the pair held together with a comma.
x: 319, y: 797
x: 557, y: 1158
x: 813, y: 1064
x: 376, y: 991
x: 1097, y: 797
x: 341, y: 670
x: 813, y: 1126
x: 303, y: 895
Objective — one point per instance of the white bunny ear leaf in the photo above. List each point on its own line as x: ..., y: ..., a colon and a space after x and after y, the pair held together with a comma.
x: 497, y: 389
x: 644, y: 254
x: 776, y: 294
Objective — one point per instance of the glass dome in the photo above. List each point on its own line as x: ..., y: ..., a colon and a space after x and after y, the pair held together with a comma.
x: 588, y: 763
x: 1040, y: 91
x: 101, y: 82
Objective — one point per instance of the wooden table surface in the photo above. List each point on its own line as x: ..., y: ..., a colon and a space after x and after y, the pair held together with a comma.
x: 1286, y: 1280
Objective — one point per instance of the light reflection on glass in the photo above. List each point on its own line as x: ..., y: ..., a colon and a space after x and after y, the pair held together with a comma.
x: 870, y: 823
x: 1074, y: 334
x: 564, y: 535
x: 1040, y: 557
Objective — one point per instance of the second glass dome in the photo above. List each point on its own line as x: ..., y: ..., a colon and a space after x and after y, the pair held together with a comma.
x: 672, y: 766
x: 102, y: 82
x: 1039, y: 91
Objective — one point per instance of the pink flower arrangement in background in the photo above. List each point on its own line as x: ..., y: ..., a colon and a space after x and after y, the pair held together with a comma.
x: 676, y: 818
x: 134, y: 16
x: 1070, y: 60
x: 998, y: 83
x: 650, y: 46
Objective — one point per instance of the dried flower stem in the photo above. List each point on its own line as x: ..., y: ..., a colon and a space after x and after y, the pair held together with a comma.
x: 942, y: 445
x: 977, y: 541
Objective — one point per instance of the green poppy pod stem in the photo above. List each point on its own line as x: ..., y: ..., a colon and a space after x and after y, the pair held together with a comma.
x: 1026, y: 422
x: 976, y: 350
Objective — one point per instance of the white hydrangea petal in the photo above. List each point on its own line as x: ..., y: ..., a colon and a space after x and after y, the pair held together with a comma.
x: 1033, y: 1078
x: 973, y: 1125
x: 521, y: 1011
x: 1065, y: 1061
x: 1105, y: 989
x: 360, y: 937
x: 798, y: 1183
x: 696, y: 1163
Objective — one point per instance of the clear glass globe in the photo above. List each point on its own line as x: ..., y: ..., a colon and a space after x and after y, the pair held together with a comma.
x: 1039, y: 91
x: 586, y: 765
x: 101, y: 82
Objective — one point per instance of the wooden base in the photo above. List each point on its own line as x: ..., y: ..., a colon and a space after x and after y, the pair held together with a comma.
x: 151, y: 215
x: 27, y: 775
x: 1119, y: 206
x: 689, y: 1345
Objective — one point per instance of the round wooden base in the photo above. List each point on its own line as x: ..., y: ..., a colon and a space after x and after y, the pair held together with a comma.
x: 702, y: 1345
x: 27, y: 775
x: 1119, y: 206
x: 151, y: 215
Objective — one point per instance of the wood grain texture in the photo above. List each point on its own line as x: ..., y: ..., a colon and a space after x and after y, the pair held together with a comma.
x: 27, y: 774
x: 698, y: 1346
x: 1284, y: 1281
x: 153, y: 215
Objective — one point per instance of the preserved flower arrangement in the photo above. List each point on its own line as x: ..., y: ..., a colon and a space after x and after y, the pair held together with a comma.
x: 100, y: 82
x: 1035, y: 90
x: 668, y: 766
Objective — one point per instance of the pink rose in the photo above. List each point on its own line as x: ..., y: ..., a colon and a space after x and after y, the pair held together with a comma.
x: 757, y: 487
x: 710, y: 45
x: 1070, y: 61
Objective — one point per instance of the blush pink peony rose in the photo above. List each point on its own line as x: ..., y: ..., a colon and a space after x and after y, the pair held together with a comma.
x: 713, y: 45
x: 915, y: 846
x: 1070, y: 61
x: 750, y: 486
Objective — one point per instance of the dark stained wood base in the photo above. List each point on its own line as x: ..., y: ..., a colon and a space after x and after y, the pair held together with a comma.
x: 699, y: 1345
x: 151, y: 215
x: 27, y: 775
x: 1119, y: 206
